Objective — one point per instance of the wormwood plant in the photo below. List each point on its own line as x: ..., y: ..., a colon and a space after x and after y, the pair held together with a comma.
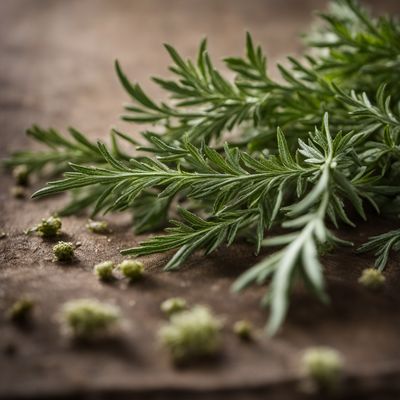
x: 243, y: 157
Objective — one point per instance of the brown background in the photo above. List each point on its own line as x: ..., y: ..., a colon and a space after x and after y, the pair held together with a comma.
x: 56, y: 69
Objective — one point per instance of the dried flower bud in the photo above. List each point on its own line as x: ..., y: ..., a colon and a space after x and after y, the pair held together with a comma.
x: 173, y: 305
x: 21, y: 175
x: 104, y: 270
x: 191, y: 334
x: 18, y: 192
x: 131, y: 269
x: 243, y: 329
x: 21, y: 310
x: 323, y: 366
x: 48, y: 228
x: 88, y: 318
x: 372, y: 279
x: 100, y: 227
x: 63, y: 251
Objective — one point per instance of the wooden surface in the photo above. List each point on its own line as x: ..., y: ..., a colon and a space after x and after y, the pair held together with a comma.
x: 56, y: 70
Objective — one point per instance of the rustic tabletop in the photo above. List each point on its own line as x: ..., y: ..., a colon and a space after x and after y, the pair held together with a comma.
x: 56, y: 69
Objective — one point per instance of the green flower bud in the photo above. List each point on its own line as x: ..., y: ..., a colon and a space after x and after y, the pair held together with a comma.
x: 372, y: 279
x: 100, y: 227
x: 191, y: 334
x: 131, y: 269
x: 21, y: 310
x: 88, y: 318
x: 324, y: 367
x: 104, y: 270
x: 243, y: 329
x: 63, y: 251
x: 21, y: 175
x: 173, y: 305
x: 18, y: 192
x: 48, y: 228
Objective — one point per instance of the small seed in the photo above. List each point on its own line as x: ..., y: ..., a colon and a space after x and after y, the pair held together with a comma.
x: 21, y: 175
x: 104, y: 270
x: 48, y: 228
x: 191, y: 334
x: 173, y: 305
x: 21, y: 310
x: 131, y: 269
x: 372, y: 279
x: 88, y: 318
x: 63, y: 251
x: 243, y: 329
x: 323, y: 366
x: 99, y: 227
x: 18, y: 192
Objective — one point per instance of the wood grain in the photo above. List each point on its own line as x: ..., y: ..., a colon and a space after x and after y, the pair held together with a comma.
x: 56, y: 70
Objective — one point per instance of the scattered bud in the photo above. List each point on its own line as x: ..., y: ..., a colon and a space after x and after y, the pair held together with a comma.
x: 21, y: 310
x: 18, y: 192
x: 63, y: 251
x: 173, y: 305
x: 21, y: 175
x: 191, y: 334
x: 323, y: 366
x: 372, y: 279
x: 104, y: 270
x: 131, y: 269
x: 87, y: 319
x: 100, y: 227
x: 243, y: 329
x: 3, y: 235
x: 48, y: 228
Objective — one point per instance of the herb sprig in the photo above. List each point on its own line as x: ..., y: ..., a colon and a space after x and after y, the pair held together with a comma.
x: 243, y: 157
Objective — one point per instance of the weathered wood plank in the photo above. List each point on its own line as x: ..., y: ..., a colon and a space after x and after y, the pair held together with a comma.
x: 56, y: 69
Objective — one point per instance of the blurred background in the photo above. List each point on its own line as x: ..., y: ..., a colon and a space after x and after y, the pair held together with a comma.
x: 56, y: 56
